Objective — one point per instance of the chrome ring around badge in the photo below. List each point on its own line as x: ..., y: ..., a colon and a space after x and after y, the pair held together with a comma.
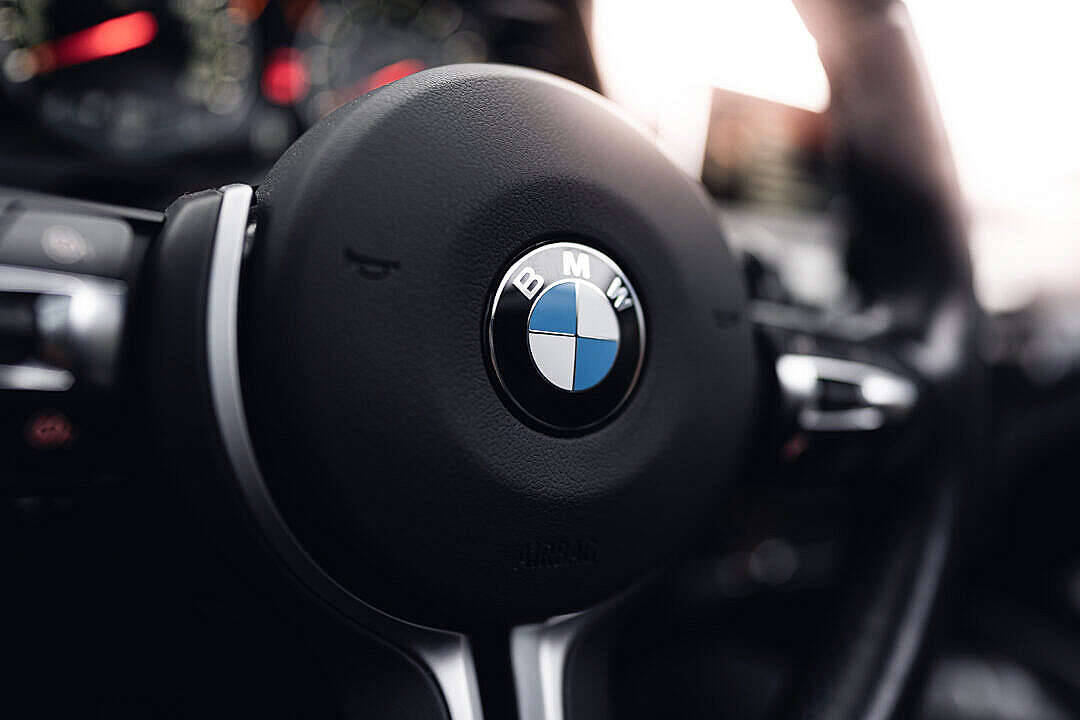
x: 566, y: 336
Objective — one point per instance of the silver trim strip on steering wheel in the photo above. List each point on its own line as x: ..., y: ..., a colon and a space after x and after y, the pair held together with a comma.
x: 538, y: 654
x: 447, y: 655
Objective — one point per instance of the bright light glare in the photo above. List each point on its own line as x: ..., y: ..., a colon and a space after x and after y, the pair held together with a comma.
x: 797, y: 374
x: 879, y: 389
x: 660, y: 61
x: 1006, y: 78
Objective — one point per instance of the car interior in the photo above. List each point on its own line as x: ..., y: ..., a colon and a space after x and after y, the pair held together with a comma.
x: 539, y: 359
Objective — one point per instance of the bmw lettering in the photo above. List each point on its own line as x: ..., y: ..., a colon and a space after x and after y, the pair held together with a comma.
x: 566, y: 336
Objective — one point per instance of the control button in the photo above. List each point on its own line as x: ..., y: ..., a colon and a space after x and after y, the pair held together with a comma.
x: 83, y: 244
x: 49, y: 430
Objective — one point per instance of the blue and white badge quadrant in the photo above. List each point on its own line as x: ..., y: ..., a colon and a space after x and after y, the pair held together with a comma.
x: 573, y: 335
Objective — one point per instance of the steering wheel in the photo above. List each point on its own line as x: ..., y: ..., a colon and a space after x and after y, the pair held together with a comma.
x: 476, y: 360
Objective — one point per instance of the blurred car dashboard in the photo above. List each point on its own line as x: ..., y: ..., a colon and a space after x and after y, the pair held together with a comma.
x: 138, y: 102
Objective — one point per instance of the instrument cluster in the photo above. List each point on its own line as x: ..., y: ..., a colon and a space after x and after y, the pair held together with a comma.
x: 106, y: 97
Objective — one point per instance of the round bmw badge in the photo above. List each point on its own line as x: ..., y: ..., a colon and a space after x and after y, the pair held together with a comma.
x: 566, y: 335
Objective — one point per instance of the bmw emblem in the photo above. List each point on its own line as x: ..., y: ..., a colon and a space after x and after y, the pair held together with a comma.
x: 566, y: 336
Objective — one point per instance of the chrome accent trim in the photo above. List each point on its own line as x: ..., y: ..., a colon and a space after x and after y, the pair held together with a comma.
x: 79, y: 328
x: 447, y: 655
x: 35, y: 376
x: 20, y: 279
x: 883, y: 394
x: 538, y: 655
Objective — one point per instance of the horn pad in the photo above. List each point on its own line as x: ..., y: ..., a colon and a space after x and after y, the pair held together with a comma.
x: 400, y: 459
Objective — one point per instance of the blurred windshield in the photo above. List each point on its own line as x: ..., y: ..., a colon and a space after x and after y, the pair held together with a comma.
x: 1006, y: 78
x: 1004, y: 73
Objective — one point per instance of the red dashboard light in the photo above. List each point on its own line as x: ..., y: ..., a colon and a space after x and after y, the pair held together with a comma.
x: 392, y: 72
x: 112, y: 37
x: 285, y: 77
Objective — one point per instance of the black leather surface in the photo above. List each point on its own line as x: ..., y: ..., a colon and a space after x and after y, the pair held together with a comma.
x: 339, y: 669
x: 373, y: 408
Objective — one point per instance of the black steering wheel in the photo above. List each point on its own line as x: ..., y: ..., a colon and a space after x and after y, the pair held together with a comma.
x: 475, y: 361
